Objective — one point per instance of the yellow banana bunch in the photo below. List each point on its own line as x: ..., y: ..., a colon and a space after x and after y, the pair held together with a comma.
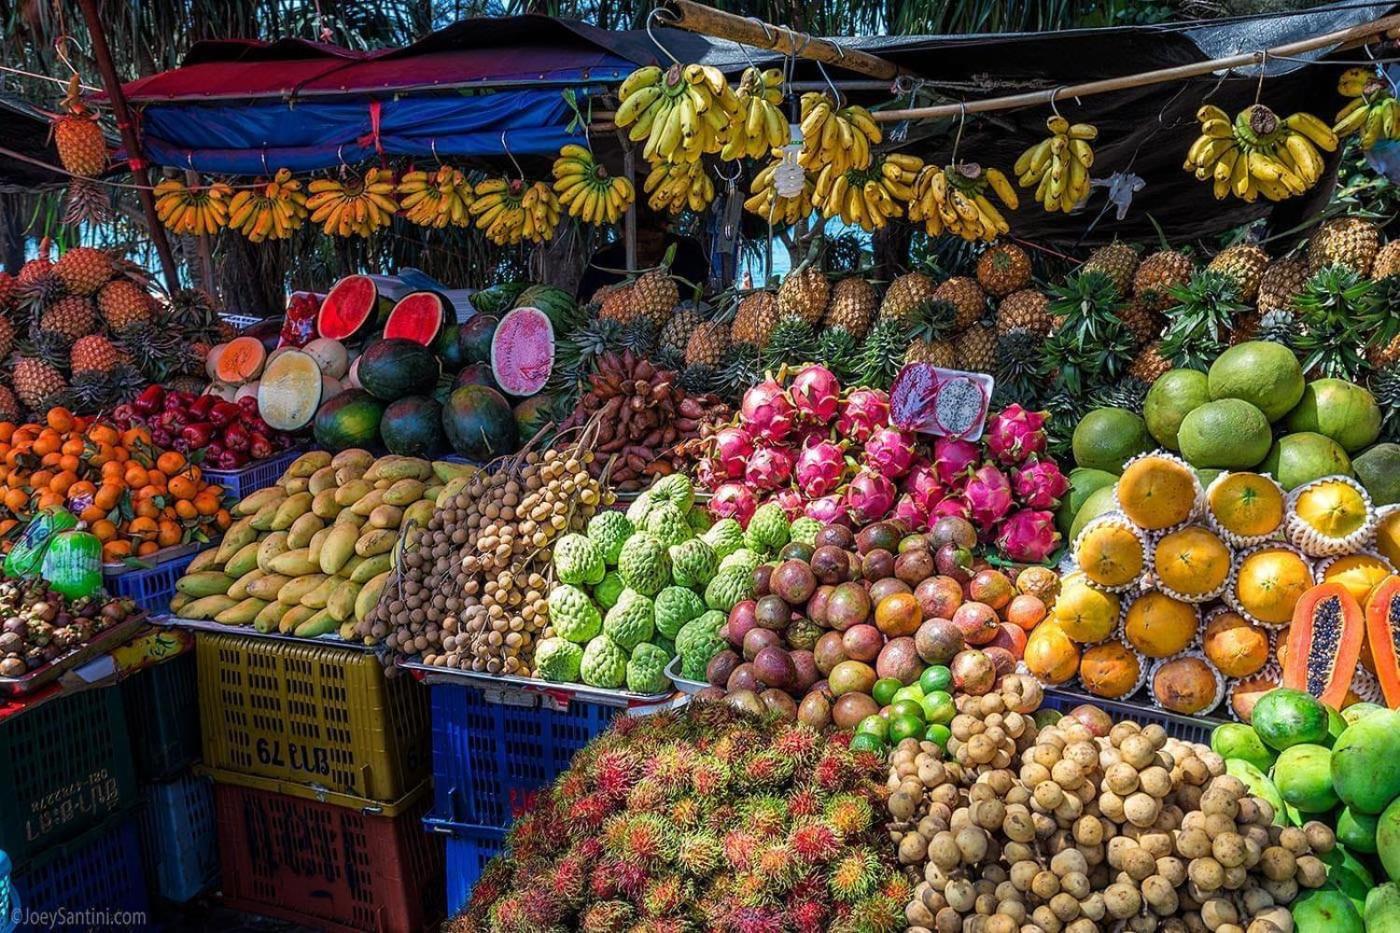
x: 542, y: 212
x: 436, y: 199
x: 1058, y: 166
x: 675, y: 186
x: 1373, y: 111
x: 587, y: 190
x: 511, y: 211
x: 356, y: 207
x: 868, y: 197
x: 760, y: 125
x: 186, y: 210
x: 682, y: 112
x: 765, y: 201
x: 271, y: 211
x: 955, y: 200
x: 840, y: 137
x: 1258, y: 153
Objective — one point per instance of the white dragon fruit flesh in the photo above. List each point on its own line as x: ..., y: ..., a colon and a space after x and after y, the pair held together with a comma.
x: 890, y: 451
x: 733, y: 500
x: 826, y: 509
x: 819, y: 468
x: 769, y: 468
x: 1028, y: 535
x: 870, y: 497
x: 954, y: 459
x: 988, y: 495
x: 862, y: 412
x: 791, y: 501
x: 733, y: 448
x: 767, y: 412
x: 911, y: 512
x: 816, y: 392
x: 1014, y: 435
x: 1039, y: 484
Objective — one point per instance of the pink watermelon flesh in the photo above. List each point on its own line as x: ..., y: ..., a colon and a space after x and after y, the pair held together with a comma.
x: 417, y: 317
x: 348, y: 307
x: 522, y: 351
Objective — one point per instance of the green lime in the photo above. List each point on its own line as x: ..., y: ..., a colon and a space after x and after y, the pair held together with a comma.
x: 912, y: 692
x: 884, y: 690
x: 874, y: 725
x: 938, y: 707
x: 938, y: 734
x: 903, y: 727
x: 867, y: 742
x: 936, y: 677
x: 907, y: 708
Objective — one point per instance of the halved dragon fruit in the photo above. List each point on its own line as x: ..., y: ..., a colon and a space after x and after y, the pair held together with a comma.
x: 1028, y: 535
x: 954, y: 459
x: 890, y: 451
x: 522, y: 352
x: 769, y: 468
x: 1040, y: 484
x: 870, y: 496
x: 863, y: 411
x: 816, y: 393
x: 733, y: 500
x: 988, y: 495
x: 733, y: 448
x: 767, y: 412
x: 1014, y: 435
x: 819, y: 468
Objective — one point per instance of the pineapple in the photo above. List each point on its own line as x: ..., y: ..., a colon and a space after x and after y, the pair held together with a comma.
x: 1386, y: 355
x: 1024, y: 310
x: 640, y: 335
x: 8, y: 285
x: 614, y: 303
x: 837, y: 350
x: 125, y: 306
x: 72, y: 316
x: 976, y: 349
x: 698, y: 379
x: 1387, y: 263
x: 1281, y: 282
x: 1158, y: 275
x: 906, y: 295
x: 191, y: 384
x: 679, y: 328
x: 1149, y: 364
x: 1347, y: 241
x: 1020, y: 363
x: 1280, y: 326
x: 37, y: 285
x: 653, y: 296
x: 755, y: 319
x: 1118, y: 261
x: 36, y: 383
x: 853, y: 306
x: 1243, y: 263
x: 7, y: 336
x: 967, y: 298
x: 1144, y: 322
x: 940, y: 353
x: 93, y: 354
x: 1129, y: 394
x: 804, y: 295
x: 793, y: 341
x: 81, y: 147
x: 742, y: 368
x: 9, y: 406
x: 1246, y: 327
x: 1199, y: 327
x: 1004, y: 268
x: 83, y: 270
x: 882, y: 355
x: 707, y: 344
x: 1385, y: 386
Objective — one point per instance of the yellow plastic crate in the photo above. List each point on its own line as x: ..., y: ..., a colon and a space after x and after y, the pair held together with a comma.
x: 315, y: 715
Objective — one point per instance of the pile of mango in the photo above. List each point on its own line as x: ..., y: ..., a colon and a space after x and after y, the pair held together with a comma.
x: 309, y: 555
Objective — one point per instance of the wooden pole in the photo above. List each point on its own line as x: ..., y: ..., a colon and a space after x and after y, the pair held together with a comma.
x: 203, y: 244
x: 113, y: 85
x: 696, y: 17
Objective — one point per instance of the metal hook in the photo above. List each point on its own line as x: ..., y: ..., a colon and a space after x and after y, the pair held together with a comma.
x: 506, y: 147
x: 1263, y: 69
x: 1054, y: 107
x: 962, y: 122
x: 60, y: 48
x: 432, y: 147
x: 263, y: 154
x: 657, y: 14
x: 738, y: 170
x: 744, y: 50
x: 836, y: 94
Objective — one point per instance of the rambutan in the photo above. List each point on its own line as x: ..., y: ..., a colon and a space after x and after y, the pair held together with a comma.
x: 749, y: 889
x: 539, y: 908
x: 804, y: 802
x: 833, y: 771
x: 663, y: 896
x: 739, y: 847
x: 631, y: 879
x: 669, y: 770
x: 849, y: 815
x: 614, y: 773
x: 853, y: 875
x: 571, y: 785
x: 687, y: 812
x: 588, y: 815
x: 567, y: 882
x: 779, y: 865
x: 796, y: 742
x: 756, y: 920
x: 709, y: 777
x: 646, y: 796
x: 767, y: 768
x: 765, y: 816
x: 699, y: 854
x: 815, y: 843
x: 606, y: 917
x: 648, y: 839
x: 507, y: 914
x: 807, y: 916
x: 897, y: 888
x: 877, y: 914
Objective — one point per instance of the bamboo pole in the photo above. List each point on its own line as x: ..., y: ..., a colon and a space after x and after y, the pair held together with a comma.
x: 103, y: 53
x: 696, y: 17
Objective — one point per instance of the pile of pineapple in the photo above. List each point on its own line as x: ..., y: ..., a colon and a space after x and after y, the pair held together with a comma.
x: 85, y: 333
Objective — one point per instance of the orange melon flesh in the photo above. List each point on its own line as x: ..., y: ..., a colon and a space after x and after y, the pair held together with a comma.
x: 241, y: 360
x: 1382, y: 635
x: 1324, y: 643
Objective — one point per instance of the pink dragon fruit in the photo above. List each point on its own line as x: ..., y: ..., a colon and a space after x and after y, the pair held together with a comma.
x: 863, y: 411
x: 733, y: 500
x: 1014, y: 435
x: 767, y: 412
x: 889, y: 451
x: 922, y: 484
x: 870, y: 496
x: 769, y: 468
x: 819, y: 468
x: 733, y: 448
x: 954, y: 459
x: 912, y: 512
x: 988, y: 495
x: 1028, y: 535
x: 791, y: 501
x: 707, y: 473
x: 827, y: 509
x: 1039, y: 484
x: 954, y: 506
x: 816, y: 393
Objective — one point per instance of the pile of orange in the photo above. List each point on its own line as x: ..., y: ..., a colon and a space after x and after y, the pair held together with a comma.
x: 134, y: 497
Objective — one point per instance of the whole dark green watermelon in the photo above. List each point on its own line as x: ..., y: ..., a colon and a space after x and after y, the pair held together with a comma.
x: 412, y: 427
x: 476, y: 374
x: 474, y: 338
x: 479, y: 423
x: 448, y: 349
x: 391, y: 369
x: 557, y: 304
x: 533, y: 414
x: 349, y: 419
x: 497, y: 299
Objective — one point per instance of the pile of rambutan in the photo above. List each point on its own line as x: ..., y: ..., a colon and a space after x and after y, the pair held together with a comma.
x: 705, y: 818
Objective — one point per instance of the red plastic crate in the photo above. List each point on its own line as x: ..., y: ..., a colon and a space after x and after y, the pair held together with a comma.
x: 326, y: 866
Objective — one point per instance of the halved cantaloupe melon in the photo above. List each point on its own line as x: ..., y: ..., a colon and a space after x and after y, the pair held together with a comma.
x: 1324, y: 643
x: 241, y: 361
x: 290, y: 391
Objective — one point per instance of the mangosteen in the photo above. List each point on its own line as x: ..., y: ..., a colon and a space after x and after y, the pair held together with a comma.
x: 915, y: 566
x: 762, y: 579
x: 772, y: 613
x: 831, y: 564
x: 877, y: 564
x: 952, y: 529
x: 836, y: 536
x: 954, y: 561
x: 882, y: 535
x: 794, y: 581
x: 796, y: 550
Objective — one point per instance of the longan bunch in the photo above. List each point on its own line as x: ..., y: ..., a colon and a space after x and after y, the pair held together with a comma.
x: 986, y: 735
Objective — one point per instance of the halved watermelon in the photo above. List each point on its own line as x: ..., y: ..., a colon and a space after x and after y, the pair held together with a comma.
x: 350, y: 308
x: 418, y: 317
x: 241, y: 360
x: 290, y: 391
x: 522, y: 351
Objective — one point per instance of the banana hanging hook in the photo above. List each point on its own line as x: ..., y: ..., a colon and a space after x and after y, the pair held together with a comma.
x: 663, y: 15
x: 510, y: 155
x: 962, y: 122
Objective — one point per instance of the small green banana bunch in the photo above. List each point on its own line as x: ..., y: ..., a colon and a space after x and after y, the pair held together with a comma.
x: 1058, y: 166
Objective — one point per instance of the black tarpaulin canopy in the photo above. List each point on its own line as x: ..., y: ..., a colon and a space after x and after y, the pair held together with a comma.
x: 25, y: 130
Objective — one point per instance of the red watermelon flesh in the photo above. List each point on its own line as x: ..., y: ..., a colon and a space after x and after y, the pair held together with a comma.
x: 522, y: 352
x: 349, y: 306
x: 418, y: 317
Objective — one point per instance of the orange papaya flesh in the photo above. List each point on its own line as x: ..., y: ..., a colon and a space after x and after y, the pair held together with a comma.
x: 1324, y: 643
x: 1383, y: 638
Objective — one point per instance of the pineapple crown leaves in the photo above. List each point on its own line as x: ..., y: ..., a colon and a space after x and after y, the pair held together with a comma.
x: 1128, y: 393
x: 1385, y: 386
x: 1335, y: 297
x: 1339, y: 314
x: 1089, y: 304
x: 741, y: 367
x: 1090, y: 347
x: 838, y: 350
x: 882, y: 354
x: 1020, y: 366
x: 792, y: 341
x: 933, y: 319
x: 1200, y: 322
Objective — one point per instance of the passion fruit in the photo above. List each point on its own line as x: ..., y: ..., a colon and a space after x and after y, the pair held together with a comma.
x: 1010, y: 637
x: 773, y: 666
x: 939, y: 597
x: 830, y: 651
x: 796, y: 550
x: 837, y: 536
x: 973, y: 672
x: 720, y: 667
x: 849, y: 605
x: 852, y: 677
x: 741, y: 618
x: 794, y: 581
x: 882, y: 536
x: 898, y: 614
x: 814, y: 711
x: 773, y: 613
x: 914, y: 567
x: 899, y: 659
x: 851, y: 708
x: 978, y: 622
x: 831, y: 564
x: 951, y: 529
x: 862, y: 642
x: 938, y: 640
x: 887, y: 587
x: 877, y: 564
x: 991, y: 587
x: 757, y: 639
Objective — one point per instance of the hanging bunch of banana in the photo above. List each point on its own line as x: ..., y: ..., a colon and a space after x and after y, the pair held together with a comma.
x: 831, y: 136
x: 192, y: 210
x: 682, y: 112
x: 1373, y: 111
x: 760, y: 125
x: 353, y: 207
x: 955, y: 200
x: 270, y: 211
x: 510, y: 211
x: 765, y: 202
x: 868, y: 197
x: 436, y: 199
x: 1257, y: 153
x: 674, y: 186
x: 587, y: 190
x: 1058, y: 166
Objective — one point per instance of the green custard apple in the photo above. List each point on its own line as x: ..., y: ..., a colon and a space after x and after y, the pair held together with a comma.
x: 604, y: 664
x: 631, y: 621
x: 637, y: 511
x: 742, y: 558
x: 693, y: 563
x: 558, y: 660
x: 675, y: 489
x: 730, y: 587
x: 769, y: 529
x: 725, y: 536
x: 644, y: 564
x: 805, y: 529
x: 698, y: 641
x: 675, y: 606
x: 573, y: 614
x: 666, y: 523
x: 699, y: 519
x: 646, y: 669
x: 607, y: 592
x: 578, y: 560
x: 610, y: 530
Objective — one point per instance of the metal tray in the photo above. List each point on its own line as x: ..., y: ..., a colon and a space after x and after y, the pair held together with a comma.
x: 688, y: 687
x: 47, y: 673
x: 528, y: 685
x: 247, y: 631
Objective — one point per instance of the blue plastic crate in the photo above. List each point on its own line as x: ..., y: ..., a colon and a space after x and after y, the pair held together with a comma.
x: 1185, y: 728
x: 150, y: 587
x: 490, y: 759
x: 469, y: 850
x: 9, y: 900
x: 162, y: 717
x: 178, y: 840
x: 254, y: 476
x: 96, y: 881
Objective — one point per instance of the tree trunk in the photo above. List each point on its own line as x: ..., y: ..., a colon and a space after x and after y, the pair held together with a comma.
x: 11, y: 234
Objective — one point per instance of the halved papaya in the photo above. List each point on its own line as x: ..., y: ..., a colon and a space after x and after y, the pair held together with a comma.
x: 418, y: 316
x: 1324, y: 643
x: 349, y: 308
x: 1383, y: 637
x: 241, y: 361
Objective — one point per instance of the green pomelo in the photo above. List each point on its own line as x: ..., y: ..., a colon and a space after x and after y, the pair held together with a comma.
x: 1100, y: 502
x: 1357, y: 711
x: 1326, y: 910
x: 1364, y: 760
x: 1206, y: 477
x: 1106, y: 438
x: 1261, y: 372
x: 1300, y: 458
x: 1303, y: 777
x: 1175, y: 394
x: 1285, y: 717
x: 1228, y: 434
x: 1083, y: 483
x: 1347, y: 874
x: 1378, y: 468
x: 1388, y: 840
x: 1357, y: 830
x: 1341, y: 410
x: 1258, y: 785
x: 1236, y: 740
x: 1336, y: 725
x: 1382, y: 911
